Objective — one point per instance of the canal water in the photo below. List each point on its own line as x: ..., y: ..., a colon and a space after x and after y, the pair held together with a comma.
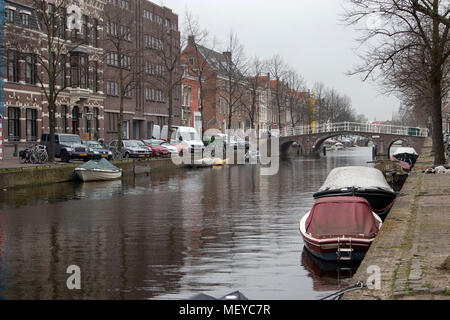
x: 212, y: 230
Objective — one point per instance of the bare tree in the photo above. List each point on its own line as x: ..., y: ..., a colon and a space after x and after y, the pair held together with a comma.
x: 52, y: 20
x: 167, y: 53
x: 278, y: 69
x: 403, y: 27
x: 199, y: 39
x: 298, y: 99
x: 254, y: 86
x: 234, y: 68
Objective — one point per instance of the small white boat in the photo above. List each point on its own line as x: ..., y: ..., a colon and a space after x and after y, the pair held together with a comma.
x: 202, y: 163
x: 101, y: 170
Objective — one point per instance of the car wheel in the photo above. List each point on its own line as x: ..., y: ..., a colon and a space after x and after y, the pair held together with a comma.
x: 65, y: 156
x: 127, y: 156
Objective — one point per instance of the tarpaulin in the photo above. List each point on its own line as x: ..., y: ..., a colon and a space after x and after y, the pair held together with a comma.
x: 339, y: 216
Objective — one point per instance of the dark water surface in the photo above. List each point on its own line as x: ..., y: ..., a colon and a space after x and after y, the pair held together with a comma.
x: 212, y: 230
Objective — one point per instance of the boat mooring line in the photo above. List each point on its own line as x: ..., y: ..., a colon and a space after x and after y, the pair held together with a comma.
x: 338, y: 294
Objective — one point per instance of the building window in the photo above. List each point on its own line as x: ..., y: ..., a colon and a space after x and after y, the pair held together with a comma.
x: 124, y: 4
x: 31, y: 124
x: 187, y: 96
x: 95, y: 33
x: 13, y: 66
x: 95, y: 77
x: 30, y: 69
x: 9, y: 15
x: 84, y: 27
x: 112, y: 88
x: 79, y: 70
x: 63, y: 71
x: 25, y: 19
x: 62, y: 23
x: 125, y: 33
x: 13, y: 124
x: 63, y: 118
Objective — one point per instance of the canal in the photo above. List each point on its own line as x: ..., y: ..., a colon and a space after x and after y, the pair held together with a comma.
x: 212, y: 230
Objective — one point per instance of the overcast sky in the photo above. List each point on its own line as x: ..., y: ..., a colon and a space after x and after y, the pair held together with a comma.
x: 307, y: 34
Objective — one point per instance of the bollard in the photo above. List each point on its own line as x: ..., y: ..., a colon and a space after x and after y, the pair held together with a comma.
x: 16, y: 147
x: 324, y: 151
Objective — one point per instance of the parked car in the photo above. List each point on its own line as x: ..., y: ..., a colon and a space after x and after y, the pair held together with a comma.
x: 157, y: 149
x: 163, y: 143
x: 131, y: 149
x: 68, y: 147
x: 98, y: 150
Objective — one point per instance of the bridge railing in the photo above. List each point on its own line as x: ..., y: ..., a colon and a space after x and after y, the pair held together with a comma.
x: 354, y: 127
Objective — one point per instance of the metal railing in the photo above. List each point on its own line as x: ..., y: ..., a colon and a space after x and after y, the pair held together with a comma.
x: 354, y: 127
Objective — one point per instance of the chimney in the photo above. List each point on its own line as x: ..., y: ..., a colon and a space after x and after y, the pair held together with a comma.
x: 191, y: 40
x: 227, y: 54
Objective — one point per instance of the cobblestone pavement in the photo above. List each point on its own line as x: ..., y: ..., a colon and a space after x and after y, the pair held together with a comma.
x: 412, y: 249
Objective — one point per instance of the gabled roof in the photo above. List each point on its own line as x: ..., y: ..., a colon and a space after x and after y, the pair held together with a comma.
x: 219, y: 62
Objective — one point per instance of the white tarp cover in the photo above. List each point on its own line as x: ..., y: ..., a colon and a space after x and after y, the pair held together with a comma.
x: 404, y: 150
x: 360, y: 177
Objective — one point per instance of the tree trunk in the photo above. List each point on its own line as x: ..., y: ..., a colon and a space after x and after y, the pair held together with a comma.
x: 52, y: 125
x: 170, y: 111
x: 120, y: 124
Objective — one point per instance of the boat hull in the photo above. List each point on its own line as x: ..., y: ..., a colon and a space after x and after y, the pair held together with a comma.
x: 327, y: 248
x: 97, y: 175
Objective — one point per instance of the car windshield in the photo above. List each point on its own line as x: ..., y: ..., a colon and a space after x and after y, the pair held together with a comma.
x: 95, y: 145
x: 165, y: 144
x: 140, y: 143
x: 69, y: 138
x: 130, y: 144
x: 156, y: 142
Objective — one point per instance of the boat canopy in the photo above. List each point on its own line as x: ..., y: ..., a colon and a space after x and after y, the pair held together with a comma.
x: 405, y: 150
x: 355, y: 177
x: 342, y: 216
x: 102, y: 164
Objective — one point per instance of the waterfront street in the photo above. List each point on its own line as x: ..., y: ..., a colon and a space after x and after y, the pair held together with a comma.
x: 211, y: 230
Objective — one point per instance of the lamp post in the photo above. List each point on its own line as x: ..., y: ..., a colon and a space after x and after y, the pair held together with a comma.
x: 89, y: 116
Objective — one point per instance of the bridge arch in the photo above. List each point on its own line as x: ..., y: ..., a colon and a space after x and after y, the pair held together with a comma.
x: 405, y: 139
x: 284, y: 147
x: 318, y: 143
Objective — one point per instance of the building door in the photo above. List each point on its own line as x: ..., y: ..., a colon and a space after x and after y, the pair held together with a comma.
x: 75, y: 120
x: 136, y: 129
x: 198, y: 122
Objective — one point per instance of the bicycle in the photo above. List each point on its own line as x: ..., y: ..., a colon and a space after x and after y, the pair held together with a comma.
x: 34, y: 154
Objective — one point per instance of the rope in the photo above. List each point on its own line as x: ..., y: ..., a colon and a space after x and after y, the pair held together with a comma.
x: 338, y: 294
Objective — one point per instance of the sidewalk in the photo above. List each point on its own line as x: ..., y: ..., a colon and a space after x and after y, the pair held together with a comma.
x: 412, y: 249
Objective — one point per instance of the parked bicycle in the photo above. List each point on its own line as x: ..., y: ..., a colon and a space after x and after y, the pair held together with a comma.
x: 34, y: 154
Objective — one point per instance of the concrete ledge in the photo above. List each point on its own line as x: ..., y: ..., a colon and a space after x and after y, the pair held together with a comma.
x: 18, y: 177
x: 413, y: 245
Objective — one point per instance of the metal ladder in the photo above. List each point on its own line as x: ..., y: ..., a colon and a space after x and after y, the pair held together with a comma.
x: 344, y: 254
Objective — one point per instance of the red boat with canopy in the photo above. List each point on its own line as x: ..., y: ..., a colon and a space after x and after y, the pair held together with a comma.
x: 340, y: 228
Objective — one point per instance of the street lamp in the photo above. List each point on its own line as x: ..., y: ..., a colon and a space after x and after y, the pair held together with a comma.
x: 89, y: 116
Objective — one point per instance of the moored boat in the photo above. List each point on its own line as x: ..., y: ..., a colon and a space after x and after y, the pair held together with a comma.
x: 101, y: 170
x: 365, y: 182
x: 406, y: 157
x: 340, y: 228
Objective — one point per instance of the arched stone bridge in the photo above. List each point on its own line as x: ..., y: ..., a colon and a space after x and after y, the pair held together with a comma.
x: 310, y: 139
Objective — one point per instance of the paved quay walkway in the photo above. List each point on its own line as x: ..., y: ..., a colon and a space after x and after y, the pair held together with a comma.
x: 412, y: 249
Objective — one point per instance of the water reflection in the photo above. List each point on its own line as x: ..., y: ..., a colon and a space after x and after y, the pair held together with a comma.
x: 165, y: 237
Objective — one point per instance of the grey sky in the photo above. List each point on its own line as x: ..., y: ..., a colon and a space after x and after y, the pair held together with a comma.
x: 307, y: 34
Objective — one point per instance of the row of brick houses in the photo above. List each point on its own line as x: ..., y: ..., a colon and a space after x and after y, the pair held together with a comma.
x: 214, y: 79
x: 89, y: 105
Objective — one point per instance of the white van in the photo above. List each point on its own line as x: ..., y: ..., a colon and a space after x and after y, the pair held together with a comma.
x: 187, y: 136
